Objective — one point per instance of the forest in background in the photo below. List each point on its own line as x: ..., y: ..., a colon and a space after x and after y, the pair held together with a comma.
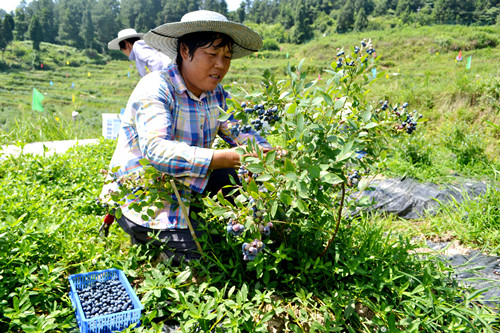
x: 91, y: 24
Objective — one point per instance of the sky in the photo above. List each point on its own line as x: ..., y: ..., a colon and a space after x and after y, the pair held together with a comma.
x: 10, y: 5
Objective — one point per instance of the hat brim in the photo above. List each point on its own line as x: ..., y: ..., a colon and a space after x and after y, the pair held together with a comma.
x: 164, y: 38
x: 115, y: 43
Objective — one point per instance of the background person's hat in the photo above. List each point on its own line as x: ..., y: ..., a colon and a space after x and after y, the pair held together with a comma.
x: 122, y: 35
x: 164, y: 38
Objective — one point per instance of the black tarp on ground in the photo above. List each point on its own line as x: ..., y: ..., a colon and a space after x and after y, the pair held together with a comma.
x: 474, y: 269
x: 409, y: 199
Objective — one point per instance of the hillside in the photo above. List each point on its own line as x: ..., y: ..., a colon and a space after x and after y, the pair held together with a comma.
x: 418, y: 66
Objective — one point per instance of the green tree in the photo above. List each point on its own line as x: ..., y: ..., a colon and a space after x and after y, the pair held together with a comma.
x: 173, y: 10
x: 219, y: 6
x: 105, y: 15
x: 367, y: 5
x: 88, y: 29
x: 345, y: 20
x: 140, y: 15
x: 241, y: 12
x: 361, y: 21
x: 21, y: 21
x: 70, y: 25
x: 3, y: 43
x: 8, y: 28
x: 47, y: 20
x: 301, y: 31
x: 35, y: 32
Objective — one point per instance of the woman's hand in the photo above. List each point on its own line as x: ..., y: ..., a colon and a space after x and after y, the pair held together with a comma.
x: 229, y: 158
x: 225, y: 158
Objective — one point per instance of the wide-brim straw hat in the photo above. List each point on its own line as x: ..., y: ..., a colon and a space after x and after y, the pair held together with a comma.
x: 122, y: 35
x: 164, y: 37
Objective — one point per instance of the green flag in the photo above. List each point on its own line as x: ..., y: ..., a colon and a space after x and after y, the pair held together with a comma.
x: 468, y: 62
x: 37, y: 100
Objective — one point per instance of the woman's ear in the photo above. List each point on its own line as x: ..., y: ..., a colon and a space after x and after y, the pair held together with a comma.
x: 184, y: 50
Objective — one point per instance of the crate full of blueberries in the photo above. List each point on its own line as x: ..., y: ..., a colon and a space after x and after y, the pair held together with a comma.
x: 104, y: 301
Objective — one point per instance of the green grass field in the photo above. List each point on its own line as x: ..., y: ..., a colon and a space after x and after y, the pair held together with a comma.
x: 418, y: 67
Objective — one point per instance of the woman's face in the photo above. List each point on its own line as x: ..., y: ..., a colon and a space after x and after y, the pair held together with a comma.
x: 206, y: 69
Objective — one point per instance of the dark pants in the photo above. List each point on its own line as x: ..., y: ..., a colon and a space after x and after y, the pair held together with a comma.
x: 179, y: 242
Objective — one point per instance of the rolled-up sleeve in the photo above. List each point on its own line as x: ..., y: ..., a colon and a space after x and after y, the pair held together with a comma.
x: 154, y: 128
x: 154, y: 119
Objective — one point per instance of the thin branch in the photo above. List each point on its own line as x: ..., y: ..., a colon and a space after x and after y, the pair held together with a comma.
x: 339, y: 218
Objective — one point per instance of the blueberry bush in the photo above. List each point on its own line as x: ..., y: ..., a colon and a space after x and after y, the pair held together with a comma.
x: 331, y: 142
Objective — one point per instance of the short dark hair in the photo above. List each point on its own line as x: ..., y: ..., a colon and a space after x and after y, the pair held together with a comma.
x: 195, y: 40
x: 132, y: 40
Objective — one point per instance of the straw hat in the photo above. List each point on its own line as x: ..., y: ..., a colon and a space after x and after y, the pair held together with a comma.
x: 164, y: 38
x: 122, y: 35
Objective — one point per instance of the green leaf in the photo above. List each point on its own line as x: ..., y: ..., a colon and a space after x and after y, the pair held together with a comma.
x: 366, y: 115
x: 299, y: 67
x: 302, y: 190
x: 314, y: 171
x: 302, y: 206
x: 349, y: 310
x: 219, y: 211
x: 291, y: 176
x: 223, y: 115
x: 144, y: 162
x: 270, y: 187
x: 289, y: 167
x: 264, y: 178
x: 327, y: 98
x: 290, y: 108
x: 286, y: 198
x: 284, y: 94
x: 182, y: 277
x: 172, y: 292
x: 330, y: 178
x: 240, y: 151
x: 300, y: 122
x: 274, y: 208
x: 270, y: 156
x: 339, y: 103
x: 370, y: 125
x: 255, y: 168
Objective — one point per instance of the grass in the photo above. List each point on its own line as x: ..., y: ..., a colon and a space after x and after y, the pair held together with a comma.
x: 367, y: 282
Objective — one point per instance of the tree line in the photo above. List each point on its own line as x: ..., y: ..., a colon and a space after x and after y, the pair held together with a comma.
x: 91, y: 24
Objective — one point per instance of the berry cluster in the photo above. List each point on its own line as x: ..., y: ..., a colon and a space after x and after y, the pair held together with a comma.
x: 104, y: 298
x: 353, y: 178
x: 264, y: 117
x: 409, y: 125
x: 250, y: 250
x: 234, y: 228
x: 349, y: 62
x: 265, y: 229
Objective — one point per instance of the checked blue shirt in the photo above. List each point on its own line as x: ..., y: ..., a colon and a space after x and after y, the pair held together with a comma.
x: 174, y: 130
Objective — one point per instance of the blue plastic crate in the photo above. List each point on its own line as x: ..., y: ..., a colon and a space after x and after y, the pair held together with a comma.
x: 105, y: 323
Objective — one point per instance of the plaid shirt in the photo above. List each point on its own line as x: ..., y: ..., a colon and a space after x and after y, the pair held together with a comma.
x: 173, y: 129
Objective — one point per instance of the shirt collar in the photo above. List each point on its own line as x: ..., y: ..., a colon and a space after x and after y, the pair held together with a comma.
x: 132, y: 54
x: 179, y: 85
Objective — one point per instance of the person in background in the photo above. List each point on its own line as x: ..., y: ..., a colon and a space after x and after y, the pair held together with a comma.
x: 146, y: 59
x: 172, y: 119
